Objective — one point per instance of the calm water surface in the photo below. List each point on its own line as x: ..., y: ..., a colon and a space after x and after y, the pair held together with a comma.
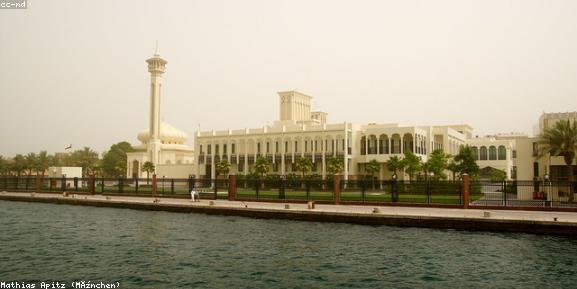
x: 141, y: 249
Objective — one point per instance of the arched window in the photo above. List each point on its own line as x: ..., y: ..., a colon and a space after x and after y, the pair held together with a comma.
x: 363, y: 145
x: 502, y: 152
x: 475, y: 152
x: 483, y: 153
x: 492, y: 153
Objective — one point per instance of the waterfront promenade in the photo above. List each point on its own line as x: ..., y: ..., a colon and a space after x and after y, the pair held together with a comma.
x: 540, y: 222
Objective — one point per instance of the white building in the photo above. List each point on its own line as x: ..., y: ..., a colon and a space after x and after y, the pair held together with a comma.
x: 302, y: 133
x: 162, y: 144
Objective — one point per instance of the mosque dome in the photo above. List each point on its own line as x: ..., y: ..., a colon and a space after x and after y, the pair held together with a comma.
x: 168, y: 135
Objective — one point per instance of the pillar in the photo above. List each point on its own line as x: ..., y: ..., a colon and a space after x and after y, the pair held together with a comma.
x: 154, y: 185
x: 337, y: 188
x: 232, y: 187
x: 91, y: 183
x: 465, y: 190
x: 38, y: 182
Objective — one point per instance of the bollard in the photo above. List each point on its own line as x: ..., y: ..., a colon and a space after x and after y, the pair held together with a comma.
x: 311, y: 205
x: 337, y: 189
x: 232, y: 187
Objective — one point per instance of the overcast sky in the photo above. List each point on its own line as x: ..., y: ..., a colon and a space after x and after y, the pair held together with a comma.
x: 74, y: 71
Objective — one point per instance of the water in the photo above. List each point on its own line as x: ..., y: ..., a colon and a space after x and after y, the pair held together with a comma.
x: 142, y: 249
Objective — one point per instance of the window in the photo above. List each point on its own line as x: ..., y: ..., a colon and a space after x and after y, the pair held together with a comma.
x: 535, y: 169
x: 475, y: 152
x: 276, y: 147
x: 267, y: 147
x: 208, y: 149
x: 296, y: 146
x: 200, y: 149
x: 492, y: 153
x: 514, y: 154
x: 306, y: 146
x: 343, y: 142
x: 241, y: 166
x: 258, y: 148
x: 502, y: 153
x: 216, y: 149
x: 286, y: 146
x: 483, y: 153
x: 316, y: 148
x: 232, y: 148
x: 535, y: 149
x: 224, y: 149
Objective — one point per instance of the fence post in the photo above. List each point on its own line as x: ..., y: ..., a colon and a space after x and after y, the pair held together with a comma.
x: 76, y: 184
x: 215, y: 187
x: 505, y: 193
x: 337, y: 188
x: 428, y: 189
x: 63, y: 185
x: 394, y: 189
x: 308, y: 189
x: 282, y: 187
x: 91, y: 184
x: 363, y: 189
x: 465, y: 190
x: 38, y: 180
x: 136, y: 185
x: 231, y: 187
x: 172, y: 186
x: 154, y: 186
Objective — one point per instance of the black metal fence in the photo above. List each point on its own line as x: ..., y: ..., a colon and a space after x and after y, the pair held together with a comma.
x: 483, y: 194
x: 537, y: 193
x: 167, y: 187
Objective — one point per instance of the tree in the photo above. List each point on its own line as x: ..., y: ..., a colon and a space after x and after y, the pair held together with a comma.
x: 30, y: 162
x: 395, y: 164
x: 412, y: 163
x: 148, y: 167
x: 43, y: 162
x: 336, y: 165
x: 222, y: 167
x: 303, y: 165
x: 560, y: 140
x: 18, y: 164
x: 85, y: 158
x: 4, y: 166
x: 261, y: 166
x: 497, y: 175
x: 372, y: 168
x: 114, y: 160
x: 436, y: 164
x: 465, y: 161
x: 452, y: 166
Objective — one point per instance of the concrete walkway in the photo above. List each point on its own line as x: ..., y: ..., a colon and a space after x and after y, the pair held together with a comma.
x: 373, y: 211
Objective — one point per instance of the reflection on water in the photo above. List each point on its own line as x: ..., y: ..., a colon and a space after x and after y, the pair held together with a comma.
x: 143, y: 249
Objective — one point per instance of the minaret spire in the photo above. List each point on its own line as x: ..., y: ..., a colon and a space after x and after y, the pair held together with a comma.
x: 156, y: 67
x: 156, y: 49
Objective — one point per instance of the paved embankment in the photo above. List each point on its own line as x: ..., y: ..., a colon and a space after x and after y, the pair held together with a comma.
x: 558, y: 223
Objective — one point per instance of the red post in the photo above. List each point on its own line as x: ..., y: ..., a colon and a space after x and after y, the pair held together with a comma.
x: 465, y: 190
x: 232, y: 187
x: 91, y: 183
x: 337, y: 189
x: 38, y: 181
x: 153, y: 188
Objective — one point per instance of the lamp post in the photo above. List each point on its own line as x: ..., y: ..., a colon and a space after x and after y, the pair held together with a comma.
x: 548, y: 184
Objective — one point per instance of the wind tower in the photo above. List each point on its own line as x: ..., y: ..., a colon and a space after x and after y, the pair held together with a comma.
x: 156, y: 67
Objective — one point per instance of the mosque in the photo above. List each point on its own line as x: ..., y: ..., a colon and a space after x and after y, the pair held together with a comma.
x: 300, y: 132
x: 162, y: 144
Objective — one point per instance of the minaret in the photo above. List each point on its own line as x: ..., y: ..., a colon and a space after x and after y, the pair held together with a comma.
x: 156, y: 66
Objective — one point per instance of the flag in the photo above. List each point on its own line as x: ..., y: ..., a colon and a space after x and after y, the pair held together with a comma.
x: 68, y: 147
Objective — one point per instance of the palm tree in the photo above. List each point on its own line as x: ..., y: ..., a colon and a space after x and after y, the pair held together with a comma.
x: 44, y: 161
x: 18, y: 164
x: 303, y: 165
x: 148, y: 167
x: 222, y: 167
x: 336, y: 165
x: 30, y: 161
x: 560, y: 140
x: 85, y: 158
x: 466, y: 163
x: 4, y: 166
x: 452, y: 166
x: 412, y: 163
x: 394, y: 164
x: 261, y: 165
x: 372, y: 168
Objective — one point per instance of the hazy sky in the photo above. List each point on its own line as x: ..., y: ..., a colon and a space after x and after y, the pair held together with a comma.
x: 74, y: 71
